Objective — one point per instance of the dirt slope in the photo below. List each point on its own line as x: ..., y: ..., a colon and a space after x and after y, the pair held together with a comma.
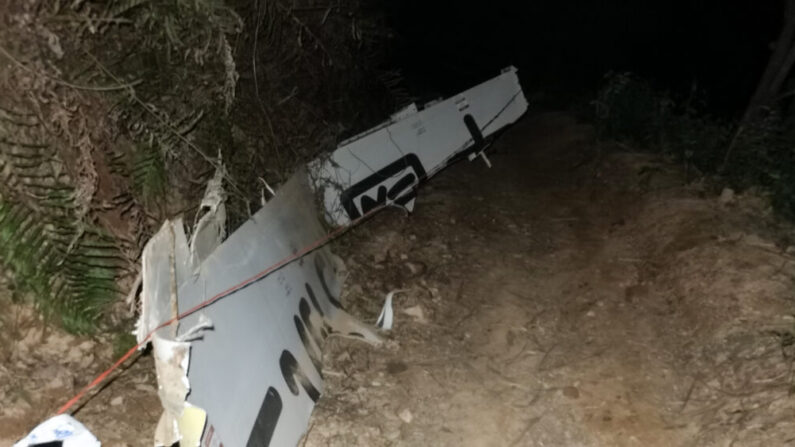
x: 569, y: 296
x: 40, y: 368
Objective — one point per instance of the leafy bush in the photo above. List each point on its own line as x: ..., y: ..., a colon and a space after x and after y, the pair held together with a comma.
x: 628, y: 108
x: 70, y: 276
x: 764, y: 155
x: 125, y: 106
x: 122, y: 342
x: 696, y: 139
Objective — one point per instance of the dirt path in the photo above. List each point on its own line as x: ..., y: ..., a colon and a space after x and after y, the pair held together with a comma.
x: 570, y: 296
x: 566, y: 297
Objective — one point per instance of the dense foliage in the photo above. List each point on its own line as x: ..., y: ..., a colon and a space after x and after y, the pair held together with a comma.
x: 763, y: 154
x: 114, y: 114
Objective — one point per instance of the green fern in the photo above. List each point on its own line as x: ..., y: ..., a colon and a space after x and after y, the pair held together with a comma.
x: 73, y: 287
x: 66, y: 266
x: 148, y: 174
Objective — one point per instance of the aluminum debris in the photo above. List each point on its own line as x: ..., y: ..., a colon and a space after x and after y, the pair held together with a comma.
x: 387, y: 315
x: 384, y: 165
x: 246, y: 371
x: 256, y: 375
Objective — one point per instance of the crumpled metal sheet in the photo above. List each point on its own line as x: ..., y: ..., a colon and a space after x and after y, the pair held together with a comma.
x: 210, y: 230
x: 246, y: 371
x: 257, y: 373
x: 385, y: 164
x: 171, y: 366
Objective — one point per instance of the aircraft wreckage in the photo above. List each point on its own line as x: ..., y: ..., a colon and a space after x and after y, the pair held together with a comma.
x: 237, y: 348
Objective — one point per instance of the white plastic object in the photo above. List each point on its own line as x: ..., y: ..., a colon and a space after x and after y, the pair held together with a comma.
x: 63, y: 428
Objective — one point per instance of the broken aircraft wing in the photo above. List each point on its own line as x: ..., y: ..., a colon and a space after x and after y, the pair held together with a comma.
x: 385, y: 164
x: 255, y: 376
x: 246, y: 370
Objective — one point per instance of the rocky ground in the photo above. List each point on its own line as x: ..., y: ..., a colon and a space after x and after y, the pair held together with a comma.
x: 574, y: 294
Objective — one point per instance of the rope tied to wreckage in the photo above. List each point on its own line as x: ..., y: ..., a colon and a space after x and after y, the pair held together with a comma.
x: 319, y: 243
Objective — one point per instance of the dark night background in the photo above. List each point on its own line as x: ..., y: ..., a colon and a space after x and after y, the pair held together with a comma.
x: 563, y: 49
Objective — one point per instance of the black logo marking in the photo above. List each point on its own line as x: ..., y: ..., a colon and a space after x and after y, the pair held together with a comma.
x: 266, y: 421
x: 400, y: 191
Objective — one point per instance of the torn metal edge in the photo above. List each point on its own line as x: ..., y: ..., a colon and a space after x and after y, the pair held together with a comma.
x: 288, y: 221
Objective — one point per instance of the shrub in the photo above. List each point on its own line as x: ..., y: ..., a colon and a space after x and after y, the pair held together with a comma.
x: 69, y: 272
x: 628, y: 108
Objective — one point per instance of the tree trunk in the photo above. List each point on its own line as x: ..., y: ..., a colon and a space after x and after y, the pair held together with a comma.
x: 779, y: 65
x: 778, y: 68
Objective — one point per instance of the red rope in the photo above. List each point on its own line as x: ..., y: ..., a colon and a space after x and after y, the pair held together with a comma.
x: 303, y: 252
